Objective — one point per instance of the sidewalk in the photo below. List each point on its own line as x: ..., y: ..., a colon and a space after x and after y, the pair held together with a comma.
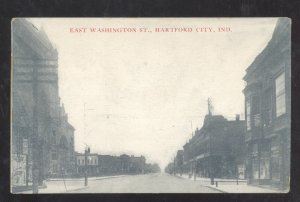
x: 230, y: 186
x: 206, y: 181
x: 66, y: 185
x: 244, y: 188
x: 80, y: 179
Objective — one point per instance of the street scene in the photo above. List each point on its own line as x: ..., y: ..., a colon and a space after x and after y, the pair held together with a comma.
x: 151, y: 183
x: 192, y: 105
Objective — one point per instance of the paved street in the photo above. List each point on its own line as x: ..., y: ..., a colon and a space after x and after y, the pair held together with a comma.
x: 151, y: 183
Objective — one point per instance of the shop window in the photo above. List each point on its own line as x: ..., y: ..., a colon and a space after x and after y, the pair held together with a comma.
x: 280, y: 95
x: 265, y: 166
x: 275, y: 159
x: 255, y: 168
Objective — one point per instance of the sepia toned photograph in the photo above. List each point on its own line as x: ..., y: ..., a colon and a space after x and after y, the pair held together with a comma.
x: 150, y: 105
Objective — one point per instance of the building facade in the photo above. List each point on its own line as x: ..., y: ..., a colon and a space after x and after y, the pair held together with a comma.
x: 215, y: 151
x: 178, y: 162
x: 268, y: 110
x: 91, y: 166
x: 106, y: 165
x: 40, y: 128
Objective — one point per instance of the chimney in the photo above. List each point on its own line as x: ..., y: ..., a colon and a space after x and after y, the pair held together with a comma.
x: 237, y: 117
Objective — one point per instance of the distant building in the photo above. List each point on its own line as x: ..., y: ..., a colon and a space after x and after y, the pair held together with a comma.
x: 106, y: 165
x: 215, y: 151
x: 35, y: 88
x: 178, y: 162
x: 137, y: 165
x: 170, y: 168
x: 91, y: 165
x: 152, y: 168
x: 110, y: 165
x: 268, y: 110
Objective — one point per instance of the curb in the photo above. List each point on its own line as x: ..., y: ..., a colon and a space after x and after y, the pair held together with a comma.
x: 81, y: 179
x: 77, y: 189
x: 111, y: 177
x: 214, y: 188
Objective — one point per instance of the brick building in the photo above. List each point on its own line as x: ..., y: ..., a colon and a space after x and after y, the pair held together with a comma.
x: 91, y: 166
x: 178, y: 162
x: 106, y: 165
x: 39, y: 122
x: 268, y: 110
x: 215, y: 151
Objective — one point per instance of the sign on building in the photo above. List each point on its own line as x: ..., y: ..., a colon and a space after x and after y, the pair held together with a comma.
x: 18, y: 170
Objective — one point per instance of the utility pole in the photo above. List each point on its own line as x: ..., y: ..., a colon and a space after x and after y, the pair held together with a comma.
x: 174, y: 166
x: 86, y: 151
x: 85, y: 168
x: 195, y: 169
x: 192, y: 128
x: 34, y: 137
x: 210, y: 107
x: 210, y: 161
x: 84, y: 119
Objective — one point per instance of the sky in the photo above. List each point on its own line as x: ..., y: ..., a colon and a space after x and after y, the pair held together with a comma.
x: 143, y: 93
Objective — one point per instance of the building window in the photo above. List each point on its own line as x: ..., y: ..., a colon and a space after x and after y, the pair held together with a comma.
x: 255, y: 168
x: 54, y: 137
x: 256, y: 111
x: 78, y: 161
x: 248, y: 114
x: 280, y: 95
x: 265, y: 163
x: 267, y: 110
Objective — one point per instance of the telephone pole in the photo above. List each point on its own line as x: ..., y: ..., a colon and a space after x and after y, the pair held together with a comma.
x: 192, y: 128
x: 34, y: 137
x: 211, y: 173
x: 86, y: 151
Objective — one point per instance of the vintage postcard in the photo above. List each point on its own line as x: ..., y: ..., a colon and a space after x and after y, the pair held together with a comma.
x: 151, y: 105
